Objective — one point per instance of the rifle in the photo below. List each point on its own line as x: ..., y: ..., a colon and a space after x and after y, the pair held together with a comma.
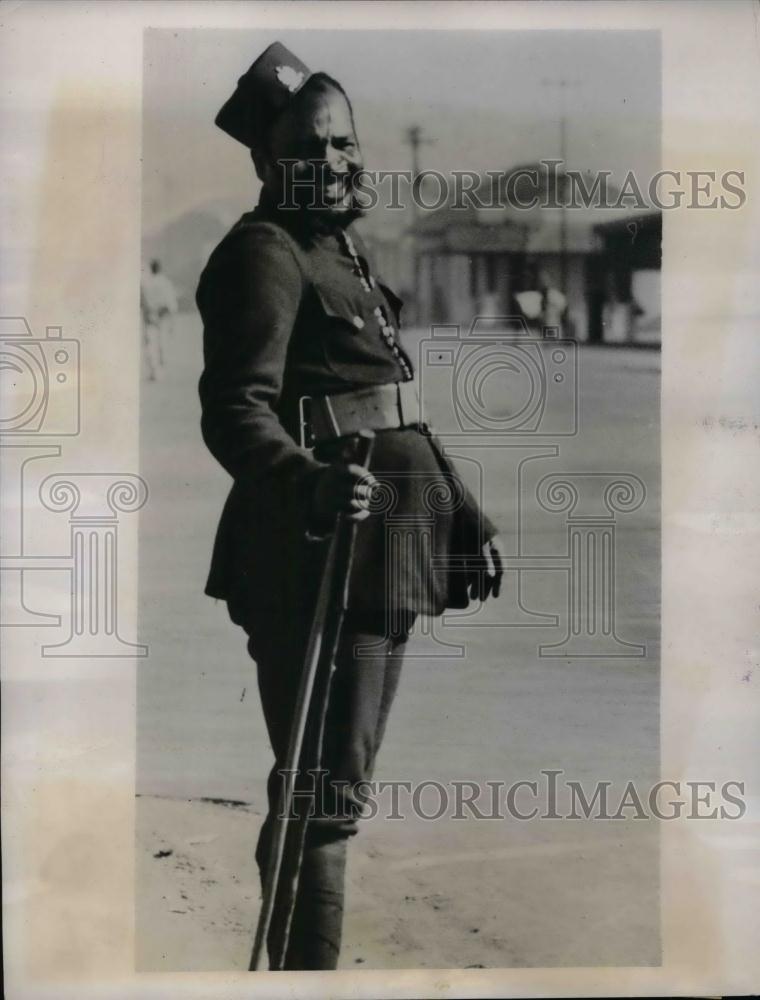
x: 287, y: 845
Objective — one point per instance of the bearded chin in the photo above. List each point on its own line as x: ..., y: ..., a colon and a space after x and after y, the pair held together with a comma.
x: 324, y: 218
x: 325, y: 223
x: 349, y: 214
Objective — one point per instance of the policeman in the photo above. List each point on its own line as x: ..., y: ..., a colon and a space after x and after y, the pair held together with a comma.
x: 301, y: 349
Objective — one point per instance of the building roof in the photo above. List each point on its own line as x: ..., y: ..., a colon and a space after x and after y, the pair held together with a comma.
x: 468, y: 228
x: 646, y: 221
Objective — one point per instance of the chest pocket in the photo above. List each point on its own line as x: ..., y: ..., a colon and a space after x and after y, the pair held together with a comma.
x: 358, y: 313
x: 344, y: 314
x: 350, y: 335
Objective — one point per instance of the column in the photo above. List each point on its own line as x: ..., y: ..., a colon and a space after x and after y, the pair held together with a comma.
x: 94, y: 501
x: 591, y: 501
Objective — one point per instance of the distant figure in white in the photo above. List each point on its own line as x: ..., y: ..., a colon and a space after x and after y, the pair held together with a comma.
x: 158, y: 304
x: 544, y: 307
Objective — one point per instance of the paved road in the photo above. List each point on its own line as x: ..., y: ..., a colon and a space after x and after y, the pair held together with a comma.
x: 451, y: 892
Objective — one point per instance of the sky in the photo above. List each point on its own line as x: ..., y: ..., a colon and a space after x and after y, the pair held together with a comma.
x: 479, y: 96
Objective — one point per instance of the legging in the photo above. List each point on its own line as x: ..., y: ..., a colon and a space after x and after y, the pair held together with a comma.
x: 368, y: 666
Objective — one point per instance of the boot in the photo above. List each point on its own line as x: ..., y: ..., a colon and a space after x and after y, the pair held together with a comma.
x: 316, y: 930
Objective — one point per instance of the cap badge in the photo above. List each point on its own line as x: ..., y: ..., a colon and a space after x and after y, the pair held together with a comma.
x: 289, y: 77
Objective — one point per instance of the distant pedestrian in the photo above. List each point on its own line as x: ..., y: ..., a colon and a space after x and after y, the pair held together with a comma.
x: 553, y: 303
x: 158, y: 304
x: 544, y: 306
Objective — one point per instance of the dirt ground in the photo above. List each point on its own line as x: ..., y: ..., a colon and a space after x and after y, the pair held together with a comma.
x: 448, y: 893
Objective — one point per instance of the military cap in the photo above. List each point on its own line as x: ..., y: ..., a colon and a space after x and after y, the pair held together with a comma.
x: 262, y: 93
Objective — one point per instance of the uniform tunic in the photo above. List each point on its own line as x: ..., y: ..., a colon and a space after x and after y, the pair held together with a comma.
x: 285, y: 315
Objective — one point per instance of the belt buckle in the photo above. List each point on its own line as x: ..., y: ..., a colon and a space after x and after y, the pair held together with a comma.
x: 305, y: 431
x: 410, y: 410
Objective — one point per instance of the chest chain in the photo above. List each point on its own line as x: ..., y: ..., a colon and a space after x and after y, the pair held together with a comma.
x: 368, y: 283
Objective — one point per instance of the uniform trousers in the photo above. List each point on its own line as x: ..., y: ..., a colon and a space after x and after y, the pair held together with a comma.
x: 364, y: 683
x: 155, y: 328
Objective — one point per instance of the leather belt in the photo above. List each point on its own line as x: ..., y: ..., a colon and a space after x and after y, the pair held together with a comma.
x: 376, y: 407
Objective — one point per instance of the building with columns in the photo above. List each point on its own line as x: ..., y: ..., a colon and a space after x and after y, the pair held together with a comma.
x: 471, y: 261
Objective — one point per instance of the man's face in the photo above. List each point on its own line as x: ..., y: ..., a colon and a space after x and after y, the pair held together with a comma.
x: 319, y: 135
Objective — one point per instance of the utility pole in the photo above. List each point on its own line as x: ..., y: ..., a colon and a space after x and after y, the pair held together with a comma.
x: 414, y: 138
x: 562, y: 84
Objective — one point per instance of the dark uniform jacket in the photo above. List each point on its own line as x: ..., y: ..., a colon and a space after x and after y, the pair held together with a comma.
x: 286, y: 316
